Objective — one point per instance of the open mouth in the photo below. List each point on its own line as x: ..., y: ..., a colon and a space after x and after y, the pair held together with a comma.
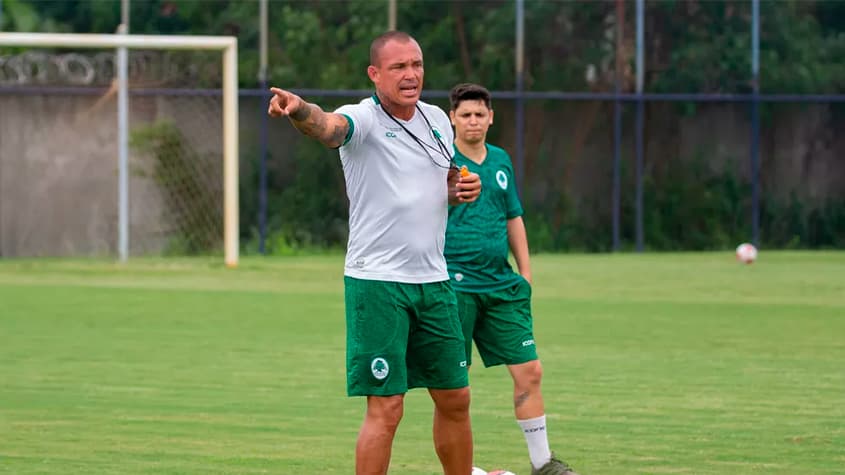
x: 408, y: 90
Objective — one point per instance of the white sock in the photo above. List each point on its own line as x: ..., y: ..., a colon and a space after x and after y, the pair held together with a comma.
x: 537, y: 440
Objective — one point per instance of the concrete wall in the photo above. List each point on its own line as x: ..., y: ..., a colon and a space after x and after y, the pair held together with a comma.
x: 58, y: 193
x: 569, y: 147
x: 58, y: 172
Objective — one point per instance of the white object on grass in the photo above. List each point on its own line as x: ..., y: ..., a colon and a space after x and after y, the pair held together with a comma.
x: 746, y: 253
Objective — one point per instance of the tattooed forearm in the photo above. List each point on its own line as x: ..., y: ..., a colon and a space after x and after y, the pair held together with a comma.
x: 313, y: 122
x: 309, y: 123
x: 302, y: 114
x: 520, y: 399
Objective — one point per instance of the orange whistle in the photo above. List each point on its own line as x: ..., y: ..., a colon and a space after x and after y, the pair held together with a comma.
x: 464, y: 171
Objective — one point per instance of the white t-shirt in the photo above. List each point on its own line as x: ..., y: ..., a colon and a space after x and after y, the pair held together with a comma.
x: 397, y: 196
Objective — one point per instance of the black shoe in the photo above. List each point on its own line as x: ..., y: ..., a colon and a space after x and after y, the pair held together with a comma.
x: 554, y: 467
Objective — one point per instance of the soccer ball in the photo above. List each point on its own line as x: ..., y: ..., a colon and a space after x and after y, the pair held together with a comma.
x: 478, y: 471
x: 746, y: 253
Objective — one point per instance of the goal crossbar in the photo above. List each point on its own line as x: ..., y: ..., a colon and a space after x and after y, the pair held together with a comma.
x: 86, y: 40
x: 228, y: 45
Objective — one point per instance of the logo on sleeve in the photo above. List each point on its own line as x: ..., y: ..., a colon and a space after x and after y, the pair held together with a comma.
x: 502, y: 179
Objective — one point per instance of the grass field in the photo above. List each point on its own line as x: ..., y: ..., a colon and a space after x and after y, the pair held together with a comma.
x: 654, y: 364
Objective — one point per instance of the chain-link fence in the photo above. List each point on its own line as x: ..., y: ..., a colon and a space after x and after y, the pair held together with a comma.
x: 58, y: 149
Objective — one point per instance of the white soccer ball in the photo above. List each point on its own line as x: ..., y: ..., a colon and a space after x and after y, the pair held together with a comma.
x: 500, y: 472
x: 478, y: 471
x: 746, y: 253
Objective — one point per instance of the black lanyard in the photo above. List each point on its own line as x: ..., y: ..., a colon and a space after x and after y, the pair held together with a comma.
x: 442, y: 149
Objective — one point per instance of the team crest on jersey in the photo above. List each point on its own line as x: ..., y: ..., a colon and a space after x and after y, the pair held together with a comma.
x: 502, y: 179
x: 380, y: 368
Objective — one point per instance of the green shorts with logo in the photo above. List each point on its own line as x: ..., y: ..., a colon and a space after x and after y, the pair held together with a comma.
x: 401, y: 336
x: 500, y: 324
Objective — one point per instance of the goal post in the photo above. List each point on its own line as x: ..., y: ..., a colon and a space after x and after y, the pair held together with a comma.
x: 227, y: 45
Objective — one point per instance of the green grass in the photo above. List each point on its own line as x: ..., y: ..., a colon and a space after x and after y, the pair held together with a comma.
x: 654, y: 364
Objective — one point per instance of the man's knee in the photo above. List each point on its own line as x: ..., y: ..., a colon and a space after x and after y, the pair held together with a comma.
x: 386, y: 410
x: 529, y: 375
x: 451, y: 402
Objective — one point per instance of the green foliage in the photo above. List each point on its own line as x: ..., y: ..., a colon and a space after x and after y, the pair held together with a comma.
x: 81, y: 15
x: 693, y: 209
x: 710, y: 48
x: 687, y: 208
x: 559, y: 224
x: 327, y: 45
x: 793, y: 224
x: 693, y: 46
x: 19, y: 15
x: 306, y: 202
x: 315, y: 204
x: 797, y: 55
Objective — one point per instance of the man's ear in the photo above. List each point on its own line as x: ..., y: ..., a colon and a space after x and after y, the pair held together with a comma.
x: 452, y: 117
x: 491, y: 116
x: 373, y: 73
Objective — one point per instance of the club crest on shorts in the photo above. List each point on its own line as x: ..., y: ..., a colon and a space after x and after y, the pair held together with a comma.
x: 380, y: 368
x: 502, y: 180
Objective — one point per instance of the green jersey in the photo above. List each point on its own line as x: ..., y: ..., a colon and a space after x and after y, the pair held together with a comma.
x: 477, y: 233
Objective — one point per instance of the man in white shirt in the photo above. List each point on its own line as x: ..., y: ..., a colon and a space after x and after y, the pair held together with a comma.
x: 402, y: 323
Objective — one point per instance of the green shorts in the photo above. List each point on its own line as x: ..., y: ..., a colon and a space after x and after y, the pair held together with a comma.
x: 401, y: 336
x: 500, y: 324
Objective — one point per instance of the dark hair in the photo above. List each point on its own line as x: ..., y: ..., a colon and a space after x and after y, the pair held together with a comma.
x: 381, y: 40
x: 469, y: 92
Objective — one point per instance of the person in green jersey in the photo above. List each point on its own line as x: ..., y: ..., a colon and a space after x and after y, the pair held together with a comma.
x: 494, y: 302
x: 402, y: 324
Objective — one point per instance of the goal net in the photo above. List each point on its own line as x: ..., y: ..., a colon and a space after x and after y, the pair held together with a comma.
x: 76, y: 181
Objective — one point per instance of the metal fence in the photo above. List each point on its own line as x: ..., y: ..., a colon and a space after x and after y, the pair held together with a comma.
x: 627, y: 137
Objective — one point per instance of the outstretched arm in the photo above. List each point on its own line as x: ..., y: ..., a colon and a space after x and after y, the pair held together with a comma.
x: 329, y: 128
x: 518, y: 241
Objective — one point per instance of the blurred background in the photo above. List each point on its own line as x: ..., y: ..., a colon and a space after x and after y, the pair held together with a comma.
x: 654, y: 125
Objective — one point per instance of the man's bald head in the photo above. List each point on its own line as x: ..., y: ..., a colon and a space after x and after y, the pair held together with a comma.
x: 381, y: 40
